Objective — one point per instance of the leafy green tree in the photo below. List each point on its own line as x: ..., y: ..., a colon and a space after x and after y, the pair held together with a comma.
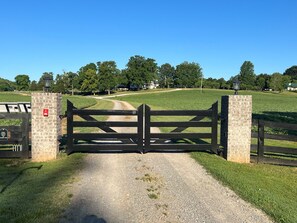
x: 278, y: 81
x: 262, y: 81
x: 6, y: 85
x: 22, y: 82
x: 188, y: 74
x: 140, y: 71
x: 247, y: 76
x: 292, y: 72
x: 33, y: 86
x: 60, y: 84
x: 211, y: 83
x: 166, y: 74
x: 108, y: 74
x: 82, y: 72
x: 70, y: 81
x: 90, y: 81
x: 223, y: 84
x: 122, y: 78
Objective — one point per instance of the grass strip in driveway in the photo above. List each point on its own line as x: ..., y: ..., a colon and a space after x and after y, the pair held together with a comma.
x: 270, y: 188
x: 36, y: 192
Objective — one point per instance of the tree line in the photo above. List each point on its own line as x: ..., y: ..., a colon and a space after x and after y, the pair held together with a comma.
x: 141, y: 72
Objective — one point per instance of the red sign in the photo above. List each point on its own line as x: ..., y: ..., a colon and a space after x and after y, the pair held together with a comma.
x: 45, y: 112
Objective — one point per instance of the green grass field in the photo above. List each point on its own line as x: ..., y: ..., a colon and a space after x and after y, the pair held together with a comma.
x: 36, y: 192
x: 271, y: 188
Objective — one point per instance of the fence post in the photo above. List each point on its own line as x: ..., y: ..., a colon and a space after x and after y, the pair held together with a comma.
x: 214, y: 128
x: 260, y: 148
x: 25, y: 135
x: 236, y: 121
x: 140, y: 114
x: 69, y: 127
x: 147, y: 128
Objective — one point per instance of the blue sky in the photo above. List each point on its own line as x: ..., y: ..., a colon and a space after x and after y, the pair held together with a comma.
x: 52, y: 36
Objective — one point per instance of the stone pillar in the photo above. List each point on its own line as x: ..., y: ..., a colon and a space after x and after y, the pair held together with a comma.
x: 46, y: 128
x: 236, y: 121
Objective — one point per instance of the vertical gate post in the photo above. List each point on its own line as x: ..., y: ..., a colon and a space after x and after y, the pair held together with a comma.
x: 260, y: 148
x: 236, y: 121
x: 69, y: 127
x: 25, y: 135
x: 140, y: 132
x: 147, y: 129
x: 46, y: 125
x: 214, y: 128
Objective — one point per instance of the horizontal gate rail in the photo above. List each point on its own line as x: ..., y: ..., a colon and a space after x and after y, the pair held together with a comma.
x: 94, y: 136
x: 103, y: 124
x: 105, y: 147
x: 267, y: 154
x: 181, y: 147
x: 176, y: 135
x: 202, y: 113
x: 104, y: 112
x: 181, y: 124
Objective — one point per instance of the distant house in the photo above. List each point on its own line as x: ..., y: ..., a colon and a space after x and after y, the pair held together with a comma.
x: 152, y: 85
x: 292, y: 87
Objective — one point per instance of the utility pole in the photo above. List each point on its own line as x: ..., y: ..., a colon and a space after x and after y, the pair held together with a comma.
x: 201, y: 82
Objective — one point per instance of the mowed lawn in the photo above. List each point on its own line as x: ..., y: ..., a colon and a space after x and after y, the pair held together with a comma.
x: 39, y: 192
x: 269, y: 187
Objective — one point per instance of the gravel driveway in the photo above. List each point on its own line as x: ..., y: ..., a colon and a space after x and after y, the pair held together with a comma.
x: 152, y: 187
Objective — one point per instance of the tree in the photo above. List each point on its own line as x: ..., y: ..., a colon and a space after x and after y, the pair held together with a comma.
x: 22, y: 82
x: 247, y: 75
x: 278, y: 81
x: 60, y: 84
x: 33, y: 86
x: 166, y: 74
x: 90, y: 81
x: 81, y: 74
x: 292, y: 72
x: 140, y: 71
x: 211, y: 83
x: 6, y: 85
x: 262, y: 81
x: 223, y: 84
x: 70, y: 80
x: 188, y: 74
x: 108, y: 73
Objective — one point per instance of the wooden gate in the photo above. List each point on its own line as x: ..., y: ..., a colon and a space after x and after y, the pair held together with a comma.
x: 106, y: 139
x: 143, y: 139
x: 203, y: 136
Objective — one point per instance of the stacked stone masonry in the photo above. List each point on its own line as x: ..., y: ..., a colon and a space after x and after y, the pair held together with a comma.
x: 45, y: 129
x: 236, y: 127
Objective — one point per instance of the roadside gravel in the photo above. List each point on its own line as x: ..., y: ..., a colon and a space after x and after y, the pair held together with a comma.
x: 152, y: 187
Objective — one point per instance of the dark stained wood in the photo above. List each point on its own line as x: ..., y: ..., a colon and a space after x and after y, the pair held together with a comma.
x: 143, y: 140
x: 262, y: 150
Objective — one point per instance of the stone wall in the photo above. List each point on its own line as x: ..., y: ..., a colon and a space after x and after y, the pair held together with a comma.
x: 45, y: 129
x: 236, y: 120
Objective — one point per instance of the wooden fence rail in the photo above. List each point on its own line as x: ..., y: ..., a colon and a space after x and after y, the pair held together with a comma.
x: 274, y: 154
